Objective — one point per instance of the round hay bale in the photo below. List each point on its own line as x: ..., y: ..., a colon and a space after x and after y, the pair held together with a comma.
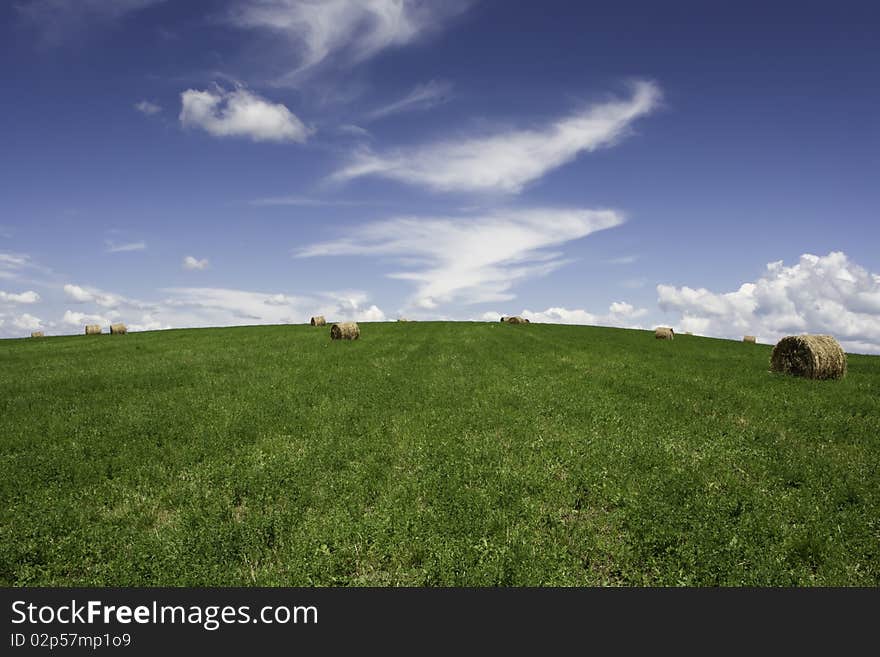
x: 37, y: 334
x: 750, y: 338
x: 118, y: 329
x: 809, y: 356
x: 318, y: 320
x: 516, y: 320
x: 93, y: 329
x: 345, y: 331
x: 664, y: 333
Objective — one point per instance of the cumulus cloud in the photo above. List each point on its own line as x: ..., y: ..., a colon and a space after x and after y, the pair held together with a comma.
x: 22, y: 297
x: 819, y: 294
x: 506, y: 161
x: 240, y: 113
x: 620, y: 314
x: 78, y: 319
x: 422, y: 97
x: 90, y: 295
x: 148, y: 108
x: 193, y: 263
x: 472, y: 259
x: 225, y: 307
x: 26, y: 322
x: 353, y: 30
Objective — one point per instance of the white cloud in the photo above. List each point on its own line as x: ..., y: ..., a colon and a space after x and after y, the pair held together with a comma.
x: 354, y: 130
x: 623, y: 260
x: 507, y: 161
x: 225, y: 307
x: 193, y: 263
x: 355, y: 29
x: 240, y: 113
x: 27, y: 322
x: 93, y: 295
x: 113, y: 247
x: 73, y: 318
x: 620, y: 314
x: 148, y: 108
x: 819, y: 294
x: 23, y: 297
x: 305, y: 201
x: 422, y: 97
x: 471, y: 259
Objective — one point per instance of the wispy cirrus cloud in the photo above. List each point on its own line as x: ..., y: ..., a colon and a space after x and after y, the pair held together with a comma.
x: 343, y: 30
x: 819, y: 294
x: 240, y: 113
x: 470, y: 259
x: 422, y: 97
x: 115, y: 247
x: 506, y: 162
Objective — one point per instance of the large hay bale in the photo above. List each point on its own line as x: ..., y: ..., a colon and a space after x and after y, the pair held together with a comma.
x: 516, y: 320
x: 118, y: 329
x: 37, y: 334
x: 93, y: 329
x: 318, y: 320
x: 345, y: 331
x: 750, y: 338
x: 810, y: 356
x: 664, y: 333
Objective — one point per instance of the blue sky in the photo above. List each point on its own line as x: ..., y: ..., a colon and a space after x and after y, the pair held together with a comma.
x: 709, y: 166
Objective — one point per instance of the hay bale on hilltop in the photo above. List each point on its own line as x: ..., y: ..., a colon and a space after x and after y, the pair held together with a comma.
x: 664, y: 333
x: 809, y: 356
x: 118, y: 329
x: 750, y: 338
x: 345, y: 331
x: 318, y: 320
x: 516, y: 320
x: 93, y: 329
x: 36, y: 334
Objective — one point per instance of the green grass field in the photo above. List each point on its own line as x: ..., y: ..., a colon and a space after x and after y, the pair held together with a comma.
x: 432, y: 454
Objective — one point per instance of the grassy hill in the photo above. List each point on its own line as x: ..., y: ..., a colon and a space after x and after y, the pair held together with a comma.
x: 432, y: 454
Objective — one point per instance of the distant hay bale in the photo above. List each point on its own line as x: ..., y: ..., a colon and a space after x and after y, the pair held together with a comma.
x: 118, y: 329
x: 809, y: 356
x: 345, y: 331
x: 516, y: 320
x: 37, y: 334
x: 402, y: 319
x: 750, y: 338
x: 688, y: 333
x: 527, y: 321
x: 318, y: 320
x: 664, y: 333
x: 93, y: 329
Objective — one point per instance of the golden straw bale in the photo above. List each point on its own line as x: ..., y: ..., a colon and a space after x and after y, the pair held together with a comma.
x: 345, y: 331
x: 809, y: 356
x: 664, y: 333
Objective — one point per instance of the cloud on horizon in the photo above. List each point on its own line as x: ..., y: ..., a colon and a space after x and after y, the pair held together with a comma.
x: 820, y: 294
